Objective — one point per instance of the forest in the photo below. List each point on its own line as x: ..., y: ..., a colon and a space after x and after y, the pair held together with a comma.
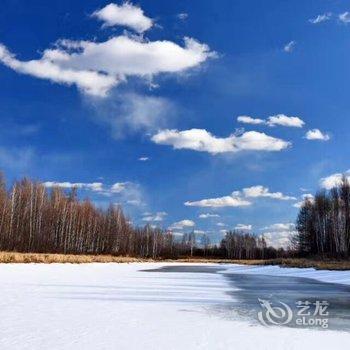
x: 323, y: 223
x: 40, y: 220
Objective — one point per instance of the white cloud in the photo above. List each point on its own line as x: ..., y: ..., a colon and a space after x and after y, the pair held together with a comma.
x: 88, y: 81
x: 221, y: 224
x: 279, y: 235
x: 321, y: 18
x: 94, y: 186
x: 182, y: 16
x: 96, y: 67
x: 344, y: 17
x: 243, y: 227
x: 289, y: 47
x: 208, y: 215
x: 127, y: 192
x: 130, y: 112
x: 143, y: 159
x: 333, y: 180
x: 308, y: 196
x: 127, y: 15
x: 278, y: 239
x: 199, y: 232
x: 283, y: 120
x: 281, y: 227
x: 159, y: 216
x: 249, y: 120
x: 239, y: 199
x: 316, y: 134
x: 203, y: 141
x: 227, y: 201
x: 179, y: 225
x: 278, y: 119
x: 261, y: 191
x: 18, y: 159
x: 119, y: 187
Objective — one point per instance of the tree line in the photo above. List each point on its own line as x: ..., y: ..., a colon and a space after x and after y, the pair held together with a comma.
x: 40, y: 220
x: 323, y: 223
x: 34, y: 219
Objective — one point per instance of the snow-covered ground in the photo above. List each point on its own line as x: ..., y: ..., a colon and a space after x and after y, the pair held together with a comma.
x: 117, y: 306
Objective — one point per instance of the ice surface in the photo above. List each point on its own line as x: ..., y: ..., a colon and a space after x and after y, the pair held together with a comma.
x: 117, y: 306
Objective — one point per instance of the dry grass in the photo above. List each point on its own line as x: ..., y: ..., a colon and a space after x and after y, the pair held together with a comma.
x: 15, y: 257
x: 326, y: 264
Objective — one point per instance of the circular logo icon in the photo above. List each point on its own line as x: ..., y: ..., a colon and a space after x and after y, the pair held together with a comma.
x: 274, y: 315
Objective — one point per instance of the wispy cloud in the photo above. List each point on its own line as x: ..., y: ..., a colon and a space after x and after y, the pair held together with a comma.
x: 125, y: 192
x: 182, y: 16
x: 321, y: 18
x: 208, y: 215
x: 289, y: 47
x: 157, y: 217
x: 131, y: 112
x: 17, y: 158
x: 344, y: 17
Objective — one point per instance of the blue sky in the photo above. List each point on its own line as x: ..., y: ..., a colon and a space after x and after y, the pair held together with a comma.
x: 90, y: 88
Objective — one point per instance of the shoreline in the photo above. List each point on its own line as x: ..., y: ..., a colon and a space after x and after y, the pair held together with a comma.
x: 49, y: 258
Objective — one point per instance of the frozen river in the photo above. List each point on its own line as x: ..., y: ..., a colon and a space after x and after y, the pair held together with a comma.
x: 169, y: 306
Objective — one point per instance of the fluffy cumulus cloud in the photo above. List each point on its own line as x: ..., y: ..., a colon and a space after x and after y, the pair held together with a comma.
x: 261, y: 191
x: 143, y: 159
x: 239, y: 198
x: 126, y: 15
x: 334, y: 180
x: 344, y: 17
x: 179, y: 225
x: 283, y: 120
x: 279, y: 235
x: 96, y: 67
x: 226, y: 201
x: 203, y: 141
x: 246, y: 119
x: 316, y: 134
x: 279, y: 239
x: 274, y: 120
x: 289, y: 47
x: 321, y: 18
